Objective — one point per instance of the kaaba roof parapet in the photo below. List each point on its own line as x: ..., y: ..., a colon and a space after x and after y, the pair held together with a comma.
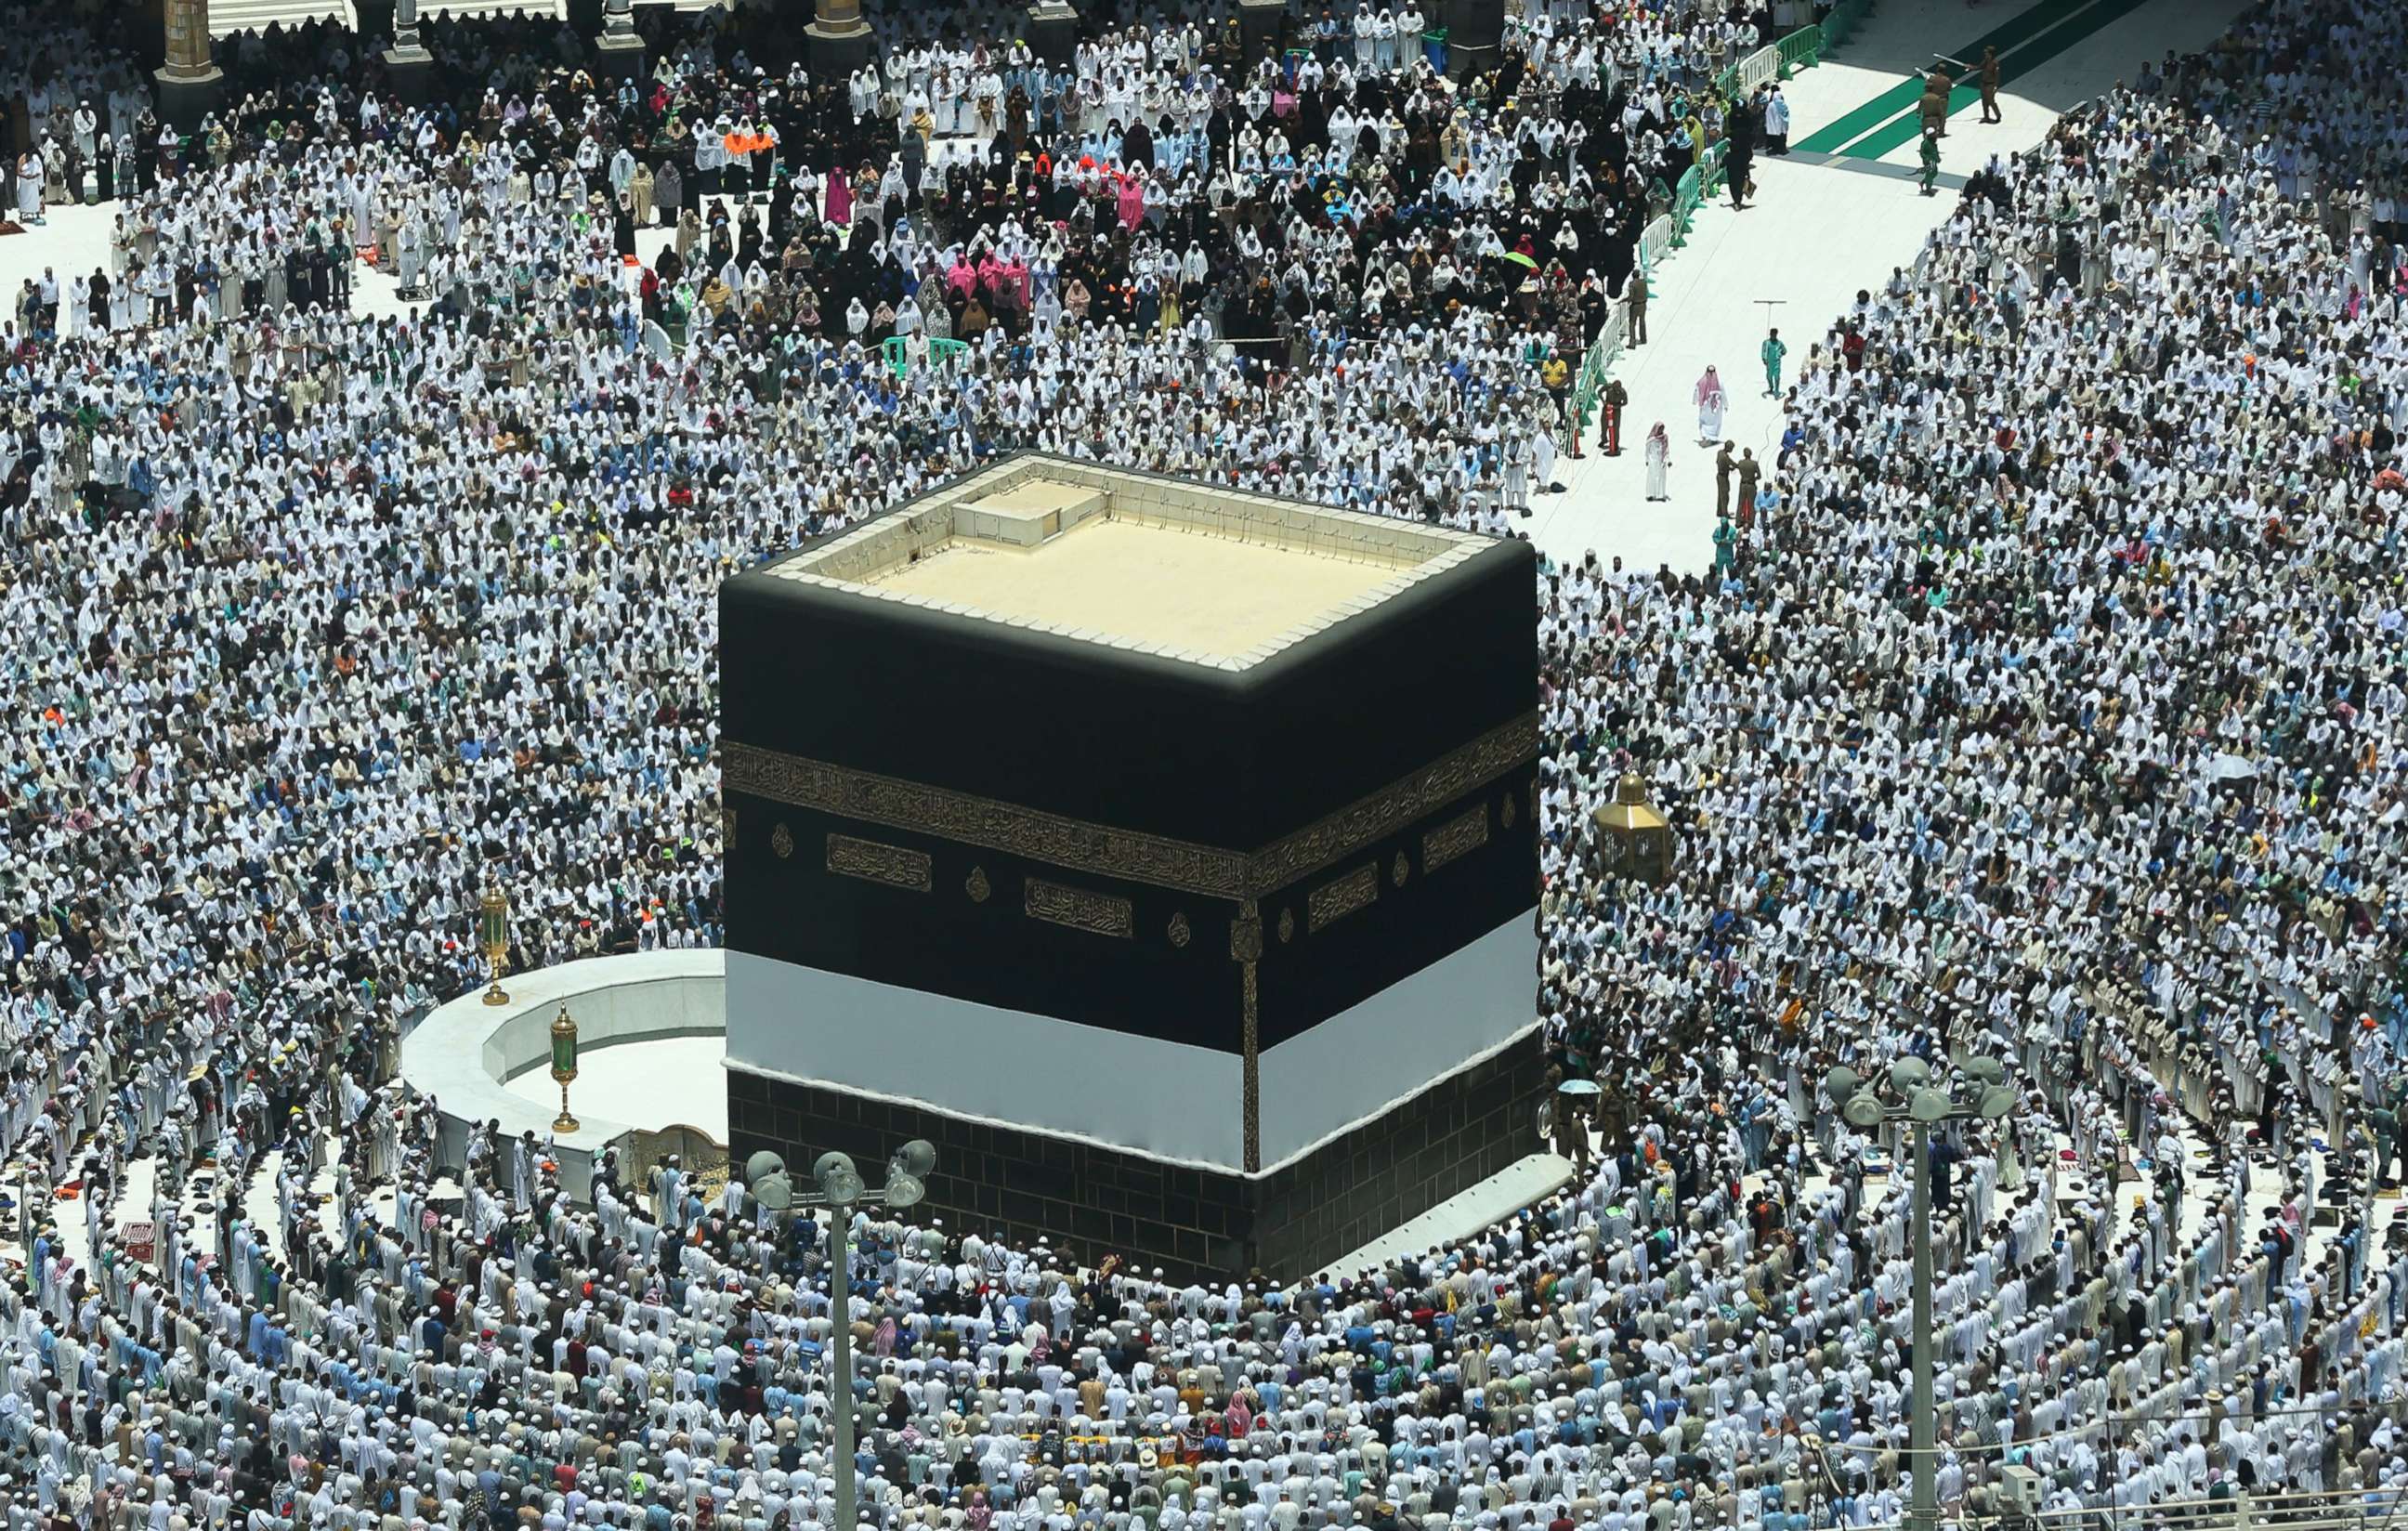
x: 1122, y: 649
x: 1193, y: 573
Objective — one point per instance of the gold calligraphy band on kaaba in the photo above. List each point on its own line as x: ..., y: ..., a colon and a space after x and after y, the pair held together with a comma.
x: 1134, y: 856
x: 1342, y: 897
x: 1246, y: 951
x: 1460, y: 835
x: 872, y: 861
x: 1081, y: 908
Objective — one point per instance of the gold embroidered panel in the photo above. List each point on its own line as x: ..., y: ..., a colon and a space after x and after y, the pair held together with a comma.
x: 1342, y: 897
x: 872, y: 861
x: 1135, y: 856
x: 1048, y: 838
x: 1459, y: 836
x: 1081, y: 908
x: 1397, y: 805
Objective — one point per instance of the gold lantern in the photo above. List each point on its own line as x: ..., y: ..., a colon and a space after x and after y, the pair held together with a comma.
x: 564, y: 1065
x: 1638, y: 842
x: 494, y: 935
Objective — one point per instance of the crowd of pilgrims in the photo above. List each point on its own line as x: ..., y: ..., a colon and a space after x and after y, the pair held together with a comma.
x: 2043, y: 701
x: 1230, y: 230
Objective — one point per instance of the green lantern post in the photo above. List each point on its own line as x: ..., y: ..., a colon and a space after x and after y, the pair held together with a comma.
x: 564, y: 1065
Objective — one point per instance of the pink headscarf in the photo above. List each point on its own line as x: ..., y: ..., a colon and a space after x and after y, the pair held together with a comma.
x: 1709, y: 385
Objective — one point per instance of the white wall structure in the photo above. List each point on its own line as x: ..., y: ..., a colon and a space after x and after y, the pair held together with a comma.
x: 463, y: 1052
x: 625, y: 1082
x: 229, y: 17
x: 1164, y: 1099
x: 1373, y: 1055
x: 801, y: 1023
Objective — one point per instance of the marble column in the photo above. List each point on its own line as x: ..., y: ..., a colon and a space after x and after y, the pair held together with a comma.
x: 407, y: 63
x: 839, y: 38
x: 618, y: 51
x: 190, y: 82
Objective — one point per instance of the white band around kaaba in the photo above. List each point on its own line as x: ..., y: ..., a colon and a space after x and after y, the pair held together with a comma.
x: 1165, y: 1100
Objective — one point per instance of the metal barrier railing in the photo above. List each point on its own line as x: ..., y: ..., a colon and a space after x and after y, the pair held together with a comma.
x: 1653, y: 241
x: 1758, y: 68
x: 2342, y: 1509
x: 900, y: 353
x: 1613, y: 337
x: 1700, y: 182
x: 1602, y: 353
x: 1800, y: 50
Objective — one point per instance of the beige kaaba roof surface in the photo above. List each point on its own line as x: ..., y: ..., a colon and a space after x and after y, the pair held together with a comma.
x: 1133, y: 561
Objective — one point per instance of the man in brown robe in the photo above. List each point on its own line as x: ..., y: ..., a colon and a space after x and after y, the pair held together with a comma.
x: 1936, y: 86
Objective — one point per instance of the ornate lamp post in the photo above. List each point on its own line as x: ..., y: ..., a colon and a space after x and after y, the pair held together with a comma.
x: 840, y: 1189
x: 839, y: 38
x: 190, y: 82
x: 1977, y: 1088
x: 621, y: 51
x: 407, y: 63
x: 563, y: 1064
x: 494, y: 935
x: 1638, y: 841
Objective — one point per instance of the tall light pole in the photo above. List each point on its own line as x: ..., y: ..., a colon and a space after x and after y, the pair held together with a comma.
x: 841, y: 1190
x: 1905, y: 1092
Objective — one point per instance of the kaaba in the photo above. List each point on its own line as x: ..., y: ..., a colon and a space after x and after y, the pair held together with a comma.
x: 1164, y: 855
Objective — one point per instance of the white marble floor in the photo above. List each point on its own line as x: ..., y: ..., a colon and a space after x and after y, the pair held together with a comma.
x: 677, y: 1080
x: 1522, y: 1184
x: 75, y: 239
x: 1816, y: 235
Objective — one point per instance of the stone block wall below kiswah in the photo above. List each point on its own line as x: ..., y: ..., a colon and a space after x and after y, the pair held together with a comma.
x: 1287, y: 1224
